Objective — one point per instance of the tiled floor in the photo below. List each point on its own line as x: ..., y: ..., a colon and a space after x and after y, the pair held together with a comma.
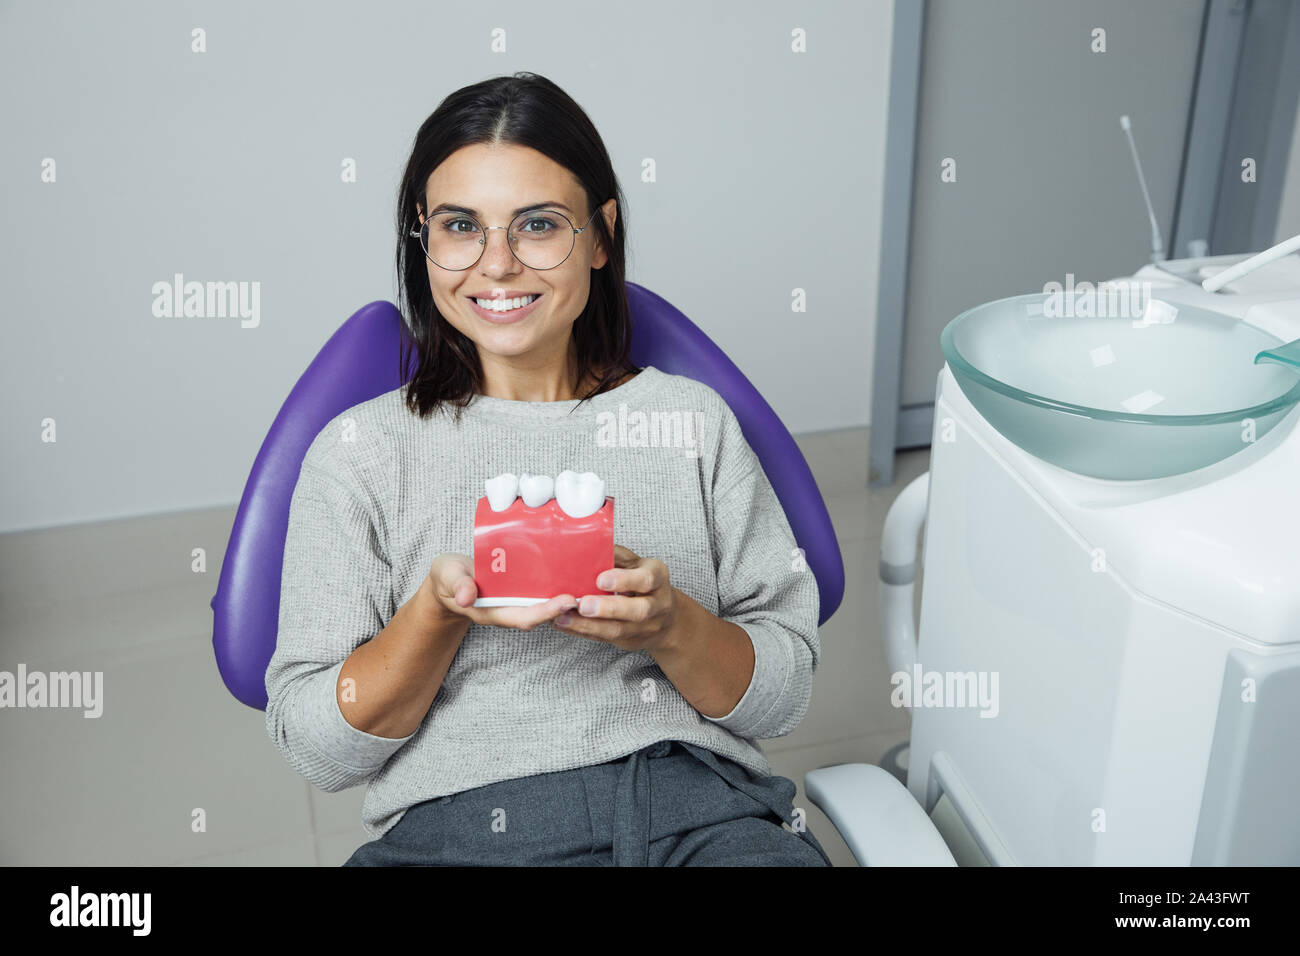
x: 177, y: 771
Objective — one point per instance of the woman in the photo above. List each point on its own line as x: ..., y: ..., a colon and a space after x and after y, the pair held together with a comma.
x: 538, y: 734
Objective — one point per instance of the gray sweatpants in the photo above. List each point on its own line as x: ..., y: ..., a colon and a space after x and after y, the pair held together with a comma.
x: 668, y: 804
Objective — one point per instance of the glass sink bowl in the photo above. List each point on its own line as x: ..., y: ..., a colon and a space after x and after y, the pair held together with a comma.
x: 1118, y: 398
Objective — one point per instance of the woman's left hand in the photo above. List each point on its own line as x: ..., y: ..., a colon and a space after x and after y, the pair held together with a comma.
x: 639, y: 616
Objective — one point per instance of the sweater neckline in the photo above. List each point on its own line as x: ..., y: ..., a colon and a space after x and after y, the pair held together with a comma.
x: 490, y: 408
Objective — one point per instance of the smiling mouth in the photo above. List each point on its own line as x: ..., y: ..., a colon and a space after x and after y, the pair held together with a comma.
x: 498, y: 306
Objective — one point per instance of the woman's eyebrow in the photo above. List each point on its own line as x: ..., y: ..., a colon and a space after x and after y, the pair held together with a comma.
x: 450, y: 207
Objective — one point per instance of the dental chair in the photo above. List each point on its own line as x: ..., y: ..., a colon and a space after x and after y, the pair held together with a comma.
x: 879, y: 819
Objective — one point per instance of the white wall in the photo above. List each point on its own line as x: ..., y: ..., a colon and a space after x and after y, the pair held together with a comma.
x: 225, y: 166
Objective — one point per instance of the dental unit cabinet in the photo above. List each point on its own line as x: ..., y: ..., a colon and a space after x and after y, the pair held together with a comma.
x: 1144, y: 631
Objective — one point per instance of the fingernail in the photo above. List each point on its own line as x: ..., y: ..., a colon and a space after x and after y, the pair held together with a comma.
x: 603, y: 582
x: 565, y: 619
x: 587, y: 607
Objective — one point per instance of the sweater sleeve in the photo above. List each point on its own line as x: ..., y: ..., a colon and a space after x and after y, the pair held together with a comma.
x: 335, y: 594
x: 763, y: 586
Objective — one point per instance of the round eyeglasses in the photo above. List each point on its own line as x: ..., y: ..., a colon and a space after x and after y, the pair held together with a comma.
x: 540, y: 239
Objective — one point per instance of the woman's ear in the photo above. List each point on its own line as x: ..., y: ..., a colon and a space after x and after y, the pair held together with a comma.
x: 610, y: 211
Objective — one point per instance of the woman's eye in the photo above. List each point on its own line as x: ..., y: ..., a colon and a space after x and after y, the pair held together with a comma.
x: 452, y: 226
x: 543, y: 224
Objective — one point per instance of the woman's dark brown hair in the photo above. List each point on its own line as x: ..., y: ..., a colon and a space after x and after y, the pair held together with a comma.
x: 527, y: 110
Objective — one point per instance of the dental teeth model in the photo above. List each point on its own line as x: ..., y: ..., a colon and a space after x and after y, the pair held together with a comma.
x: 578, y: 495
x: 501, y: 491
x: 557, y: 540
x: 536, y: 490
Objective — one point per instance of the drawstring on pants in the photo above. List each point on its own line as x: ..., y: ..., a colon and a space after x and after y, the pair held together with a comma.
x: 632, y: 807
x: 632, y: 800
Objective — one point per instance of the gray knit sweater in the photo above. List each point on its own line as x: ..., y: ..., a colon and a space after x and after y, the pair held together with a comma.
x: 382, y: 493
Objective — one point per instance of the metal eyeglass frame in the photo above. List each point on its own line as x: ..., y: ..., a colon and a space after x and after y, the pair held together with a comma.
x: 415, y: 233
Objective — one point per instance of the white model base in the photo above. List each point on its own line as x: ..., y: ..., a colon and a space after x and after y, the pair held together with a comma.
x: 508, y: 602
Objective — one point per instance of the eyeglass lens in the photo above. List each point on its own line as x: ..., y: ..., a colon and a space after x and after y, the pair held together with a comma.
x: 541, y: 240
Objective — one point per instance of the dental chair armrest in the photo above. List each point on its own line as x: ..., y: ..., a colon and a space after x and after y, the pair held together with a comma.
x: 877, y: 816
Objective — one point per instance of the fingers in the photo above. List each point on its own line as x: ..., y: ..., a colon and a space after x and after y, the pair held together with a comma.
x: 649, y: 575
x: 524, y: 618
x: 600, y: 630
x: 614, y: 607
x: 456, y: 590
x: 457, y: 582
x: 530, y: 617
x: 449, y: 571
x: 618, y: 619
x: 465, y: 591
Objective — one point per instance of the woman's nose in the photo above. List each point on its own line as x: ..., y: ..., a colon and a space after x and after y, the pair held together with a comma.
x: 497, y: 255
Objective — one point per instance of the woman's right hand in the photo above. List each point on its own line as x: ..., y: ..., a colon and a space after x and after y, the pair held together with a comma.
x: 450, y: 583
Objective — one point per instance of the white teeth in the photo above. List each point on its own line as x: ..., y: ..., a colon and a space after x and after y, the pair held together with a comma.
x: 501, y: 491
x: 579, y: 495
x: 505, y: 305
x: 536, y: 490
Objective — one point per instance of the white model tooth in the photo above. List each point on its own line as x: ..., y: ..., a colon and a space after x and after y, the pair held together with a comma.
x: 536, y: 490
x: 501, y: 491
x: 579, y: 495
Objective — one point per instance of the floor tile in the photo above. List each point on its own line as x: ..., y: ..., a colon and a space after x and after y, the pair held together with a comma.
x: 120, y: 789
x: 297, y: 852
x: 45, y: 566
x: 64, y: 632
x: 826, y: 458
x: 851, y: 685
x: 334, y: 849
x: 338, y: 812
